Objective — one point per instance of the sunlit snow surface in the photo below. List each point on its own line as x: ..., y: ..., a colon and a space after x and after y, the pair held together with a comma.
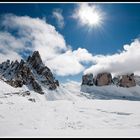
x: 68, y: 112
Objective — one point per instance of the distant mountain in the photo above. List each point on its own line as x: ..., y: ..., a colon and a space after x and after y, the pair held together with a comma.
x: 32, y: 73
x: 103, y: 86
x: 105, y: 78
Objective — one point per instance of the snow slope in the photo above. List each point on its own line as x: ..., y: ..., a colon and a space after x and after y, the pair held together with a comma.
x: 67, y: 91
x: 67, y: 113
x: 7, y: 88
x: 111, y: 92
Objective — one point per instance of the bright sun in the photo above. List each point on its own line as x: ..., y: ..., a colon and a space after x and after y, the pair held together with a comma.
x: 90, y: 15
x: 93, y: 18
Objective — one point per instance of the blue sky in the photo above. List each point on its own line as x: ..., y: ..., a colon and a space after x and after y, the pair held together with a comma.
x: 120, y: 26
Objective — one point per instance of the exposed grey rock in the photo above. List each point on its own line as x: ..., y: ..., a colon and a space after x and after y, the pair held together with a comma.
x: 5, y: 65
x: 103, y: 79
x: 57, y: 82
x: 88, y: 80
x: 37, y: 87
x: 127, y: 80
x: 137, y: 79
x: 36, y: 63
x: 15, y: 83
x: 25, y: 93
x: 100, y: 80
x: 22, y: 93
x: 35, y: 60
x: 116, y: 80
x: 32, y: 99
x: 31, y: 73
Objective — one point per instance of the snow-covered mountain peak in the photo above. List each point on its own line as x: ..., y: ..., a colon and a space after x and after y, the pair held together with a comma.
x: 32, y: 73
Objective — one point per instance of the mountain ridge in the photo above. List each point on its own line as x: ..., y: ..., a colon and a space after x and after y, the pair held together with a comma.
x: 31, y: 72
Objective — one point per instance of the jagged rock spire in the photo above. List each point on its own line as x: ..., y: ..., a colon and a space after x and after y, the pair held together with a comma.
x: 35, y: 59
x: 32, y: 73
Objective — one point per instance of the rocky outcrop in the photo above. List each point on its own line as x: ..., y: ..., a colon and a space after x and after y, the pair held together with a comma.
x: 127, y: 80
x: 100, y: 80
x: 32, y: 73
x: 40, y: 69
x: 103, y: 79
x: 137, y: 79
x: 116, y: 80
x: 88, y: 80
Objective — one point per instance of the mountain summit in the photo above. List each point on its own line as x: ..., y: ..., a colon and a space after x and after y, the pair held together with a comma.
x: 32, y: 73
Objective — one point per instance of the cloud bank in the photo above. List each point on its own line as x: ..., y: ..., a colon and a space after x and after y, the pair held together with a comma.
x: 23, y: 34
x: 124, y: 62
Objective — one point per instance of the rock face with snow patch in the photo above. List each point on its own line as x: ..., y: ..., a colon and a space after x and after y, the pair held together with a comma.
x: 40, y: 69
x: 88, y: 80
x: 127, y: 80
x: 32, y: 73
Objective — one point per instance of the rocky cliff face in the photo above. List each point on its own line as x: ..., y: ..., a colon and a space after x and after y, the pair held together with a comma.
x: 127, y: 80
x: 102, y: 79
x: 88, y: 80
x: 32, y: 73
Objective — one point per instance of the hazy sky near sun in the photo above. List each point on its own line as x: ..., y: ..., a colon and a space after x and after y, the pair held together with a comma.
x: 73, y: 38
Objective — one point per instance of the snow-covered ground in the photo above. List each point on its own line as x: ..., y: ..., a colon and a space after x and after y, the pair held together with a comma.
x: 66, y: 113
x: 111, y: 92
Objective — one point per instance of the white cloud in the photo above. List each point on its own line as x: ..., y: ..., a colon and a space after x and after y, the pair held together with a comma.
x: 36, y: 34
x: 66, y: 64
x: 22, y: 33
x: 83, y: 55
x: 69, y: 63
x: 57, y: 14
x: 126, y: 61
x: 9, y: 47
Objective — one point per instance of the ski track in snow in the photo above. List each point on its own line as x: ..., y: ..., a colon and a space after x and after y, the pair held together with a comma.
x: 66, y: 113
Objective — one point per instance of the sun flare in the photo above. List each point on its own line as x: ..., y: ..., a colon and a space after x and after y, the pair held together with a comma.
x: 90, y: 15
x: 93, y: 18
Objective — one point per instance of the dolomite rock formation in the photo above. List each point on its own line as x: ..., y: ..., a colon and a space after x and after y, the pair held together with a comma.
x: 103, y: 79
x: 100, y: 80
x: 127, y: 80
x: 32, y: 73
x: 88, y: 80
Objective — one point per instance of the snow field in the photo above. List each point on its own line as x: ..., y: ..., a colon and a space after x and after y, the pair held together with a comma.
x: 67, y: 113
